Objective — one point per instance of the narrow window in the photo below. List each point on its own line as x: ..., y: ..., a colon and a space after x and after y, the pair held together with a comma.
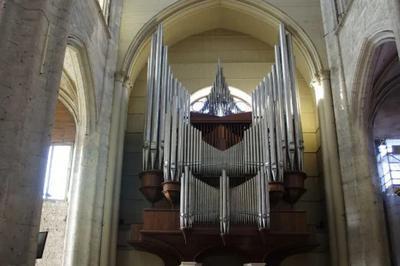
x: 388, y: 162
x: 58, y: 172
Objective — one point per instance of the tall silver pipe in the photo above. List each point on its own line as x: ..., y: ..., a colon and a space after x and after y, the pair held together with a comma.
x: 272, y: 126
x: 184, y: 197
x: 182, y: 203
x: 228, y: 199
x: 296, y: 107
x: 180, y: 122
x: 167, y: 134
x: 148, y: 123
x: 191, y: 199
x: 174, y: 123
x: 163, y: 103
x: 288, y: 97
x: 279, y: 121
x: 156, y: 101
x: 221, y: 199
x: 259, y: 200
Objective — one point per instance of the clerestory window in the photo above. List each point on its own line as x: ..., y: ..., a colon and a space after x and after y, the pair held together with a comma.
x: 58, y: 171
x: 388, y: 162
x: 241, y: 99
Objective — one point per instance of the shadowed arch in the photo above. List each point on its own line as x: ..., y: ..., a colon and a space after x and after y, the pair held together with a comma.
x: 83, y: 81
x: 255, y: 18
x: 362, y: 85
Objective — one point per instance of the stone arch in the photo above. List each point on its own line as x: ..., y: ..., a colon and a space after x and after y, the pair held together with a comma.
x: 362, y: 83
x: 78, y: 92
x: 84, y: 86
x: 258, y: 19
x: 366, y: 97
x: 67, y: 95
x: 258, y: 15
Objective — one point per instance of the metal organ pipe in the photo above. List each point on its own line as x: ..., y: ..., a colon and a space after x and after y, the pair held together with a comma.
x: 263, y: 151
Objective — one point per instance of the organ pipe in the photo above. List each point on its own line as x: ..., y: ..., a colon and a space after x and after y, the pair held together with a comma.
x: 225, y: 183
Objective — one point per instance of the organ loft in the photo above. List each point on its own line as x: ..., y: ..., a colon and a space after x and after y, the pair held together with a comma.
x: 231, y: 176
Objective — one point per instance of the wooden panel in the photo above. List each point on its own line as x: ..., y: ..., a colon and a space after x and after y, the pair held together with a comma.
x: 161, y: 219
x: 160, y: 235
x: 64, y: 128
x: 289, y: 221
x: 221, y: 132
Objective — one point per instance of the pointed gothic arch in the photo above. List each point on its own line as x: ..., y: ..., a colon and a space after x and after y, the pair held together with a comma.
x: 255, y: 18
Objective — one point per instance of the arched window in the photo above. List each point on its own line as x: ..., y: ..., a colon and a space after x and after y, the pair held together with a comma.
x: 383, y: 103
x: 58, y: 170
x: 241, y: 99
x: 388, y: 162
x: 68, y: 156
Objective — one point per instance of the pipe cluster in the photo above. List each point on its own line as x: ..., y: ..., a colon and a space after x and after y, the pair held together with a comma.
x: 271, y: 146
x: 220, y: 101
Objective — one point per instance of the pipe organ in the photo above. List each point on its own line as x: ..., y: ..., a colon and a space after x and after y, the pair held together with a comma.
x: 220, y: 165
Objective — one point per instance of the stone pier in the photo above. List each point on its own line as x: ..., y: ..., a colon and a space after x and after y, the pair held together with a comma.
x: 33, y: 39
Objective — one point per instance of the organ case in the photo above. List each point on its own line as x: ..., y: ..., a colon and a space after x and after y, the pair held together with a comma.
x: 222, y: 169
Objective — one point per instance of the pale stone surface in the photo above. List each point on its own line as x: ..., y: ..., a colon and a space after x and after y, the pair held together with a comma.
x: 53, y: 220
x: 305, y: 12
x: 90, y: 66
x: 345, y: 46
x: 30, y: 74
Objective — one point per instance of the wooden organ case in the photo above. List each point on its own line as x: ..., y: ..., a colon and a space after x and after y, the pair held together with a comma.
x: 231, y: 177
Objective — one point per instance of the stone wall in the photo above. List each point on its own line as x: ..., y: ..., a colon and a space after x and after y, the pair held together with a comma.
x: 54, y: 212
x: 347, y: 41
x: 392, y: 208
x: 136, y: 13
x: 75, y: 226
x: 54, y: 221
x: 245, y: 61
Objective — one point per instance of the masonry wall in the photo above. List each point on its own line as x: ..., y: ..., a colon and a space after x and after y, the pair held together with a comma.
x: 245, y: 61
x: 136, y: 13
x: 346, y: 38
x: 54, y: 212
x: 54, y: 221
x: 75, y: 225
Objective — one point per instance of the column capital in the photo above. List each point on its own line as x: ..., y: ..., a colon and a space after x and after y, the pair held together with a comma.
x: 121, y: 76
x: 322, y: 75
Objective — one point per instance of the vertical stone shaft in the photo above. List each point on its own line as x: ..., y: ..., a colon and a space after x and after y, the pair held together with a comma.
x: 394, y: 12
x: 33, y: 38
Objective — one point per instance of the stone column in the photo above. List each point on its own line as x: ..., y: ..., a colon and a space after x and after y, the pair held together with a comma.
x: 32, y: 47
x: 394, y: 13
x: 331, y: 169
x: 114, y: 170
